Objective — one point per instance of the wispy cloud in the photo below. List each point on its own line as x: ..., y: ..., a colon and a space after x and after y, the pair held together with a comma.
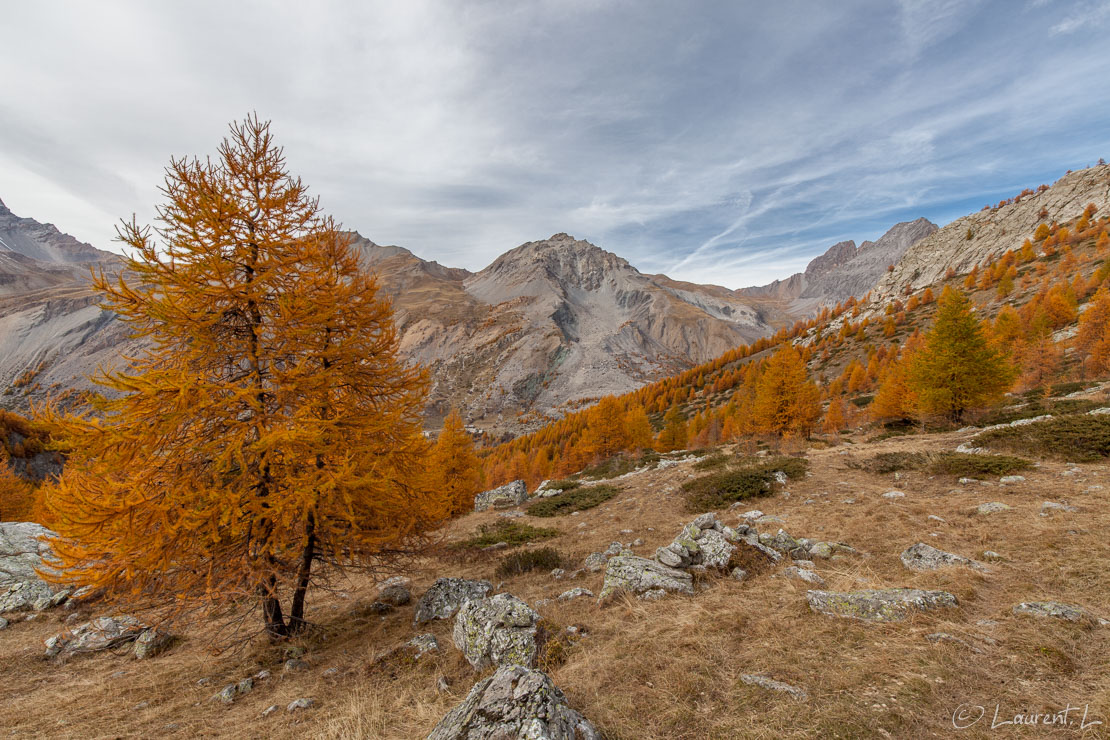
x: 720, y: 142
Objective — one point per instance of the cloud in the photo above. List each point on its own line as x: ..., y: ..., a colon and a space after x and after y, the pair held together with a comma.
x: 727, y: 144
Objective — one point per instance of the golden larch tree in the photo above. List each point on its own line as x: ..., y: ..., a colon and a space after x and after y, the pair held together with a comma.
x: 957, y: 369
x: 605, y: 433
x: 270, y: 435
x: 787, y: 402
x: 456, y: 470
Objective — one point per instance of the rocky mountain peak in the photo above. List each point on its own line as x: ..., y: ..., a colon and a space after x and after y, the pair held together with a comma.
x: 836, y: 255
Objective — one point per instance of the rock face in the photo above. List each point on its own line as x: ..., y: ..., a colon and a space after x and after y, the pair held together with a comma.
x: 510, y: 494
x: 844, y: 270
x: 515, y: 702
x: 642, y: 576
x: 500, y: 630
x: 102, y: 633
x: 927, y: 557
x: 446, y: 595
x: 886, y: 605
x: 993, y: 231
x: 21, y: 553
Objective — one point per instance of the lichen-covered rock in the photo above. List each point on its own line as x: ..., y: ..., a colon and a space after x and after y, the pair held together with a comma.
x: 423, y: 644
x: 926, y: 557
x: 395, y: 595
x: 444, y: 597
x: 772, y: 685
x: 500, y: 630
x: 804, y: 574
x: 515, y: 702
x: 510, y: 494
x: 883, y: 605
x: 1049, y: 506
x: 992, y: 507
x: 22, y: 549
x: 575, y: 593
x: 102, y: 633
x: 1056, y: 610
x: 702, y: 544
x: 638, y: 575
x: 595, y: 562
x: 151, y: 643
x: 784, y: 543
x: 716, y: 550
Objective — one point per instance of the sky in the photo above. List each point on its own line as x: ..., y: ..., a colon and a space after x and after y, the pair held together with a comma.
x: 723, y: 142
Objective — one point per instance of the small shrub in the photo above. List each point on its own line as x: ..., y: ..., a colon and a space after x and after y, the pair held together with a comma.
x: 892, y: 462
x: 712, y: 462
x: 1072, y: 438
x: 565, y: 484
x: 575, y: 499
x: 544, y: 558
x: 513, y: 533
x: 863, y: 401
x: 718, y: 490
x: 619, y: 465
x: 965, y: 465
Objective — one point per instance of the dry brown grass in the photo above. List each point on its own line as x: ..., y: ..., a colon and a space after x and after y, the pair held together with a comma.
x: 670, y: 669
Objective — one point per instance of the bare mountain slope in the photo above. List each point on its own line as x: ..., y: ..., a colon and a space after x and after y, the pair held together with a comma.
x: 992, y: 231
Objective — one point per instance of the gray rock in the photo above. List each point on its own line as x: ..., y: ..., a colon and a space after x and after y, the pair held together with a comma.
x: 781, y: 478
x: 615, y: 548
x: 269, y: 710
x: 299, y: 704
x: 423, y: 644
x: 226, y: 695
x: 752, y: 541
x: 1055, y: 610
x: 444, y: 597
x: 770, y: 684
x: 396, y: 595
x: 503, y: 497
x: 926, y: 557
x: 151, y: 643
x: 784, y: 543
x: 102, y: 633
x: 595, y: 562
x: 245, y: 686
x: 739, y: 574
x: 705, y: 521
x: 637, y: 575
x: 500, y: 630
x: 716, y: 550
x: 752, y: 515
x: 768, y: 519
x: 295, y: 665
x: 894, y: 494
x: 822, y: 550
x: 807, y: 564
x: 22, y: 550
x: 1008, y: 480
x: 515, y: 702
x: 3, y: 623
x: 803, y: 574
x: 935, y: 518
x: 992, y: 507
x: 884, y: 605
x: 575, y: 593
x: 1050, y: 506
x: 652, y: 594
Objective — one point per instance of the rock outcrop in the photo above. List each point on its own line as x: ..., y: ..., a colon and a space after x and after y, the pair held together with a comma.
x: 643, y: 577
x: 515, y: 702
x: 22, y: 549
x: 884, y: 605
x: 500, y: 630
x: 106, y: 633
x: 510, y: 494
x: 444, y: 597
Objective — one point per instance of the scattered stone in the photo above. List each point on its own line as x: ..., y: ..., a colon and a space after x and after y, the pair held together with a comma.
x: 575, y: 593
x: 784, y: 543
x: 803, y: 574
x: 262, y: 675
x: 151, y: 643
x: 1008, y: 480
x: 298, y: 704
x: 245, y: 686
x: 226, y: 695
x: 992, y: 507
x: 1056, y: 610
x: 330, y: 672
x: 945, y: 637
x: 926, y: 557
x: 935, y: 518
x: 879, y: 605
x: 637, y: 542
x: 967, y: 481
x: 638, y: 575
x: 807, y: 564
x: 102, y: 633
x: 615, y: 548
x: 992, y: 555
x: 894, y: 494
x: 503, y: 497
x: 739, y: 574
x: 295, y: 665
x: 269, y: 710
x: 395, y: 595
x: 769, y: 519
x: 515, y: 702
x: 750, y: 516
x: 702, y: 544
x: 444, y: 597
x: 772, y: 685
x: 500, y: 630
x: 558, y: 574
x: 3, y: 623
x: 423, y: 644
x: 1051, y: 506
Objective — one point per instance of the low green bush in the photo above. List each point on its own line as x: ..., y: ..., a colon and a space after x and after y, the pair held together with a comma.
x: 575, y: 499
x: 513, y: 533
x: 1082, y: 438
x: 752, y: 480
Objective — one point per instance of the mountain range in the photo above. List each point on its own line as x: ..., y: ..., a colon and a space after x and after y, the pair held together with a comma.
x: 548, y: 326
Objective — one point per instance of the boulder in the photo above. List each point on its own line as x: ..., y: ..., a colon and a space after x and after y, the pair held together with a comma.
x: 926, y: 557
x: 639, y: 575
x: 500, y: 630
x: 151, y: 643
x: 515, y: 702
x: 102, y: 633
x: 22, y: 549
x: 444, y: 597
x: 703, y: 543
x: 503, y: 497
x: 884, y: 605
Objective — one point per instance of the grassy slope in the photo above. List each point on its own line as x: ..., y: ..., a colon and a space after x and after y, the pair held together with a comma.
x: 669, y: 669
